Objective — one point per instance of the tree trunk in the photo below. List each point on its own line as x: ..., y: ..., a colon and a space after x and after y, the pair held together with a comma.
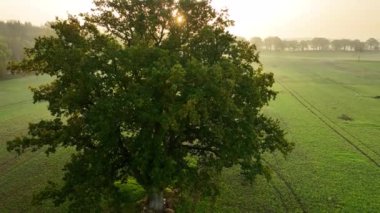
x: 156, y: 201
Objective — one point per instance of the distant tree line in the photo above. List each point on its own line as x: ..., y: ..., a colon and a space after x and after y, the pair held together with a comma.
x: 14, y: 37
x: 316, y: 44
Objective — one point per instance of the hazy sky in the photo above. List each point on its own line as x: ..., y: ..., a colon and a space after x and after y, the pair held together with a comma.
x: 284, y: 18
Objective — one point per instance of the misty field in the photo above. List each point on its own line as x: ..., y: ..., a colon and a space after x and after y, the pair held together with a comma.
x: 329, y: 103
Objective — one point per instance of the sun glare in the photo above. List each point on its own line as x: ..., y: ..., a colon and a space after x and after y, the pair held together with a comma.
x: 180, y: 19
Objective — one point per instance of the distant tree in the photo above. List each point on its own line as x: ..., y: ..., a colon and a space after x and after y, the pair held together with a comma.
x: 278, y: 43
x: 291, y: 45
x: 18, y: 36
x: 347, y: 44
x: 170, y: 103
x: 258, y: 42
x: 357, y: 45
x: 273, y: 43
x: 268, y: 42
x: 320, y: 43
x: 372, y: 44
x: 4, y: 58
x: 337, y: 45
x: 304, y: 45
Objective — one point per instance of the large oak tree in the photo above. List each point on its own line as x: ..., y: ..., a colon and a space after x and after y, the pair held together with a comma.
x: 158, y: 91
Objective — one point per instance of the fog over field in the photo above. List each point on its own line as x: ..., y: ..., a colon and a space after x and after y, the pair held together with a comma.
x: 354, y: 19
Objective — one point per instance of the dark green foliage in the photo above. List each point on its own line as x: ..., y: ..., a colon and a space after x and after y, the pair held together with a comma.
x: 168, y: 103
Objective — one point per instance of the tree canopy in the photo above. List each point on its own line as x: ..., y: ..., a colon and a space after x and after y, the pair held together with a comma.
x: 320, y: 43
x: 372, y: 44
x: 273, y: 43
x: 158, y: 91
x: 258, y: 42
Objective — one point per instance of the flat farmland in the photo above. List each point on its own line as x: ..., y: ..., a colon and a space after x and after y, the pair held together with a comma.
x: 328, y: 103
x: 22, y: 176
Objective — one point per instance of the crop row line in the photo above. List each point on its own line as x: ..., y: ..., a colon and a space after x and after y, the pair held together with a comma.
x: 281, y: 197
x: 288, y: 186
x: 16, y: 103
x: 329, y: 125
x: 337, y: 125
x: 19, y: 164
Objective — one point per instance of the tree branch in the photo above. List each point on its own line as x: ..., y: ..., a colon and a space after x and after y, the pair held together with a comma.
x: 202, y: 149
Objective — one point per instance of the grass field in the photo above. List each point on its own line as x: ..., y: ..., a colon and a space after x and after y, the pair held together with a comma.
x: 327, y: 103
x: 20, y: 177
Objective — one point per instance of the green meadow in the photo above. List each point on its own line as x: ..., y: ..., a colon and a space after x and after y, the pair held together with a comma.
x: 328, y: 103
x: 22, y: 176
